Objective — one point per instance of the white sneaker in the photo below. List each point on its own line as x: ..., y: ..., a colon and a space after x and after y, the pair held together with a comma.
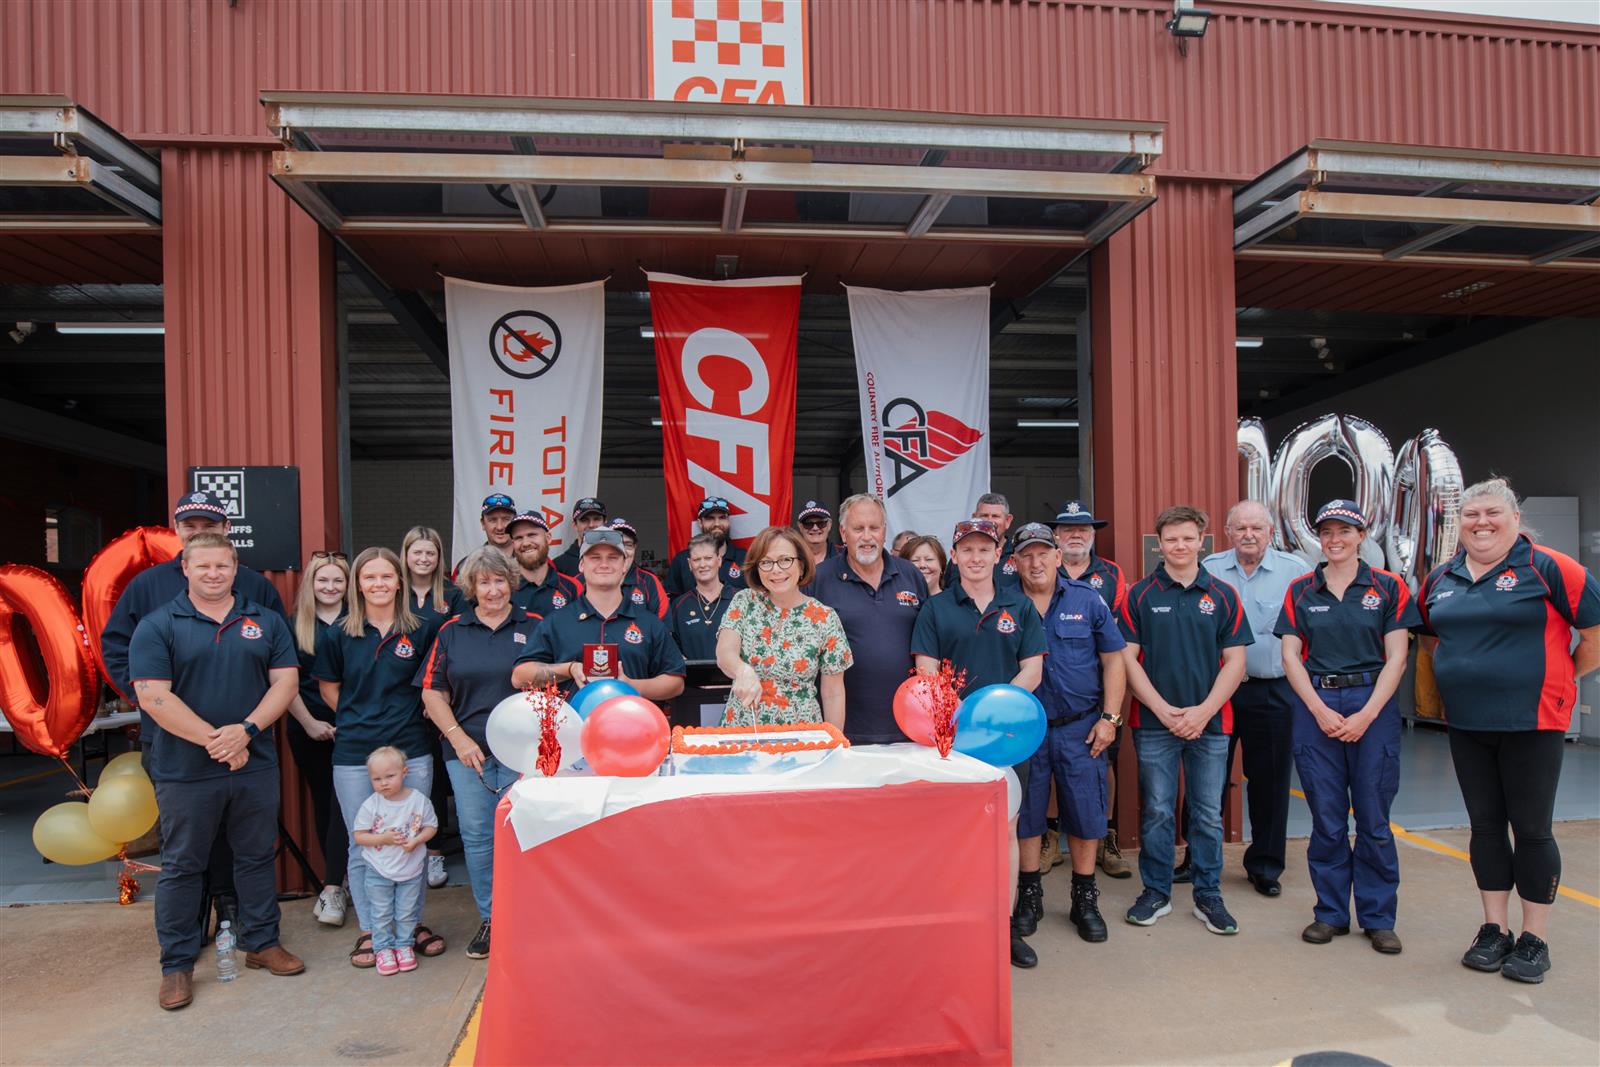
x: 437, y: 875
x: 330, y: 906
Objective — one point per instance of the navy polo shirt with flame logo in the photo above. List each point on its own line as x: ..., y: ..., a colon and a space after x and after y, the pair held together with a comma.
x: 1105, y: 578
x: 378, y: 705
x: 549, y: 596
x: 989, y: 645
x: 1345, y: 636
x: 643, y: 641
x: 1181, y: 631
x: 473, y: 664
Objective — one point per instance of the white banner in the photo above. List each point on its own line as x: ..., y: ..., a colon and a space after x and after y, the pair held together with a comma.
x: 922, y: 364
x: 526, y: 367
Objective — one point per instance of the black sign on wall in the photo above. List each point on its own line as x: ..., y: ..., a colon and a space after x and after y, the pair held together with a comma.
x: 263, y: 504
x: 1152, y: 551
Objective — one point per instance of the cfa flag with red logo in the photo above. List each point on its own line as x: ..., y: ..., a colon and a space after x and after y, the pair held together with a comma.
x: 922, y: 364
x: 725, y: 361
x: 526, y: 367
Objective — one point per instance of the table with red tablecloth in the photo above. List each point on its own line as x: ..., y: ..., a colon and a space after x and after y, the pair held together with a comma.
x: 772, y: 921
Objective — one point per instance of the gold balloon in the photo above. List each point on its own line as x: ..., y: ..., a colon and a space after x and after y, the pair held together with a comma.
x: 127, y: 763
x: 123, y: 808
x: 63, y: 835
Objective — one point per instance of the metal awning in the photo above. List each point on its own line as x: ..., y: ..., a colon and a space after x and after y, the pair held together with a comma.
x: 1352, y: 201
x: 63, y: 170
x: 369, y: 163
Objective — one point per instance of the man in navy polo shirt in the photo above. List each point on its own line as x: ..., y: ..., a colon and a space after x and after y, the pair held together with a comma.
x: 215, y: 670
x: 712, y: 514
x: 1186, y: 634
x: 586, y: 515
x: 878, y: 597
x: 697, y: 614
x: 990, y: 631
x: 651, y: 662
x: 543, y: 589
x: 639, y: 585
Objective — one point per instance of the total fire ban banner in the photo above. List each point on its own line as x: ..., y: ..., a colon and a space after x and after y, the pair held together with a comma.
x: 922, y: 366
x: 526, y: 367
x: 725, y: 360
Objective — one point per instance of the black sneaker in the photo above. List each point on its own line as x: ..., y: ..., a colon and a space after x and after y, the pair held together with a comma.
x: 478, y: 947
x: 1183, y: 873
x: 1150, y: 906
x: 1211, y: 911
x: 1489, y: 949
x: 1085, y: 913
x: 1528, y: 961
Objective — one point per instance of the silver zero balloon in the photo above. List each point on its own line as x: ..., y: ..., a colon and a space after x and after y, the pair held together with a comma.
x: 1425, y: 513
x: 1257, y: 459
x: 1307, y: 445
x: 1374, y: 470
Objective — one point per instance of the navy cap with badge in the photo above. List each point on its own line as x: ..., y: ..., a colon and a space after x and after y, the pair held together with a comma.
x: 622, y: 525
x: 1033, y: 533
x: 600, y: 535
x: 498, y: 502
x: 813, y: 510
x: 588, y: 506
x: 710, y: 504
x: 528, y: 516
x: 1074, y: 513
x: 968, y: 527
x: 1343, y: 511
x: 199, y: 505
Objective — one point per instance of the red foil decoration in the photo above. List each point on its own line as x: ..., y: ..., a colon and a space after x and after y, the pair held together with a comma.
x: 946, y: 702
x: 548, y: 706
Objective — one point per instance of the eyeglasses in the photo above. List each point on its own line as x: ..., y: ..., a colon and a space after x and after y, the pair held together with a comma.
x: 778, y: 563
x: 328, y: 553
x: 813, y: 524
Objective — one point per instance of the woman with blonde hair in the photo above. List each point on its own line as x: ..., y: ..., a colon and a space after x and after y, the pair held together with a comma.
x: 364, y: 668
x: 431, y: 594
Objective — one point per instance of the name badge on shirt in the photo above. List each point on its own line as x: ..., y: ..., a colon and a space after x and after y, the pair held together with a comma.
x: 520, y: 639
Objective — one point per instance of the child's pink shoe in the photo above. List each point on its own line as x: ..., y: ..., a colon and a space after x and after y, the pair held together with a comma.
x: 387, y: 964
x: 405, y: 958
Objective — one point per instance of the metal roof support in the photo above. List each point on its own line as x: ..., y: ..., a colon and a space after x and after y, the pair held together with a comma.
x: 1571, y: 248
x: 1267, y: 223
x: 80, y: 172
x: 733, y: 209
x: 527, y: 199
x: 928, y: 213
x: 1427, y: 240
x: 1316, y: 203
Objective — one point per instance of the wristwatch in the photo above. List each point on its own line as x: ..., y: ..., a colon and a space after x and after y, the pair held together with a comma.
x: 250, y: 729
x: 1114, y: 719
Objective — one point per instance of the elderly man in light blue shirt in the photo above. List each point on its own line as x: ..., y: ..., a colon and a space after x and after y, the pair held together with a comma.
x: 1261, y: 717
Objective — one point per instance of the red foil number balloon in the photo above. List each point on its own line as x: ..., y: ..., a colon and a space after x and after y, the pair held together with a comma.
x: 109, y: 573
x: 49, y: 725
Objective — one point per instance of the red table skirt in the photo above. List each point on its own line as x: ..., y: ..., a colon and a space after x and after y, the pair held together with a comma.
x: 813, y: 926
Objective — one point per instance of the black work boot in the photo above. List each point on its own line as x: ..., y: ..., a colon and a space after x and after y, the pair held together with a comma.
x: 1085, y: 913
x: 1022, y: 954
x: 1030, y: 903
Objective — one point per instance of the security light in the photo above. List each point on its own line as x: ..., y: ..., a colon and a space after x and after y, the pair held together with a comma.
x: 1188, y: 20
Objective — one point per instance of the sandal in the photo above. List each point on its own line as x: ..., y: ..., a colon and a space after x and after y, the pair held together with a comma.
x: 362, y: 955
x: 427, y: 942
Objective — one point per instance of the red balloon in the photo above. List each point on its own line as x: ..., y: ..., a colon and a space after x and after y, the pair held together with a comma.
x: 913, y: 708
x: 626, y: 736
x: 49, y: 727
x: 109, y: 573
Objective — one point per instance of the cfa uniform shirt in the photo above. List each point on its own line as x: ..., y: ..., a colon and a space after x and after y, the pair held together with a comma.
x: 1105, y: 578
x: 694, y: 627
x: 378, y: 705
x: 1181, y: 632
x: 989, y: 645
x: 549, y: 596
x: 878, y: 622
x: 680, y: 579
x: 1077, y: 628
x: 644, y: 589
x: 1504, y: 660
x: 1262, y: 594
x: 424, y: 609
x: 408, y: 813
x: 473, y: 664
x: 155, y: 587
x: 309, y: 691
x: 1345, y: 636
x: 643, y: 641
x: 220, y: 670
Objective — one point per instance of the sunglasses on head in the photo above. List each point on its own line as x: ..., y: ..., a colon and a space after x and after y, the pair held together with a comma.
x: 328, y: 553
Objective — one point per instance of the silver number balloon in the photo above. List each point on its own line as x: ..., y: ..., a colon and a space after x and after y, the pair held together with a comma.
x: 1307, y: 445
x: 1425, y: 513
x: 1372, y: 459
x: 1257, y: 459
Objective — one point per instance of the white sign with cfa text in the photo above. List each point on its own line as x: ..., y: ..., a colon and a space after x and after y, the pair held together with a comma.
x: 729, y: 51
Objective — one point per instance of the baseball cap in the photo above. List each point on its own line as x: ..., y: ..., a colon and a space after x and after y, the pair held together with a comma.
x: 588, y: 506
x: 711, y: 503
x: 1343, y: 510
x: 199, y: 504
x: 1033, y: 533
x: 622, y: 525
x: 600, y: 535
x: 498, y: 502
x: 1074, y: 513
x: 813, y: 510
x: 967, y: 527
x: 528, y: 516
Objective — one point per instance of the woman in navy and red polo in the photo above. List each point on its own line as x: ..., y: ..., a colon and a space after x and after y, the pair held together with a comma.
x: 1344, y: 629
x: 1503, y: 611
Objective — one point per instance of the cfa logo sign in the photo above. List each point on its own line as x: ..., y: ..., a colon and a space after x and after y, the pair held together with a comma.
x: 916, y: 441
x: 732, y: 51
x: 228, y: 485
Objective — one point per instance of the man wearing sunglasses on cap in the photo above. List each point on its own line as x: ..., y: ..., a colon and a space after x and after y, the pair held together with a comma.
x: 494, y: 515
x: 587, y: 514
x: 712, y: 514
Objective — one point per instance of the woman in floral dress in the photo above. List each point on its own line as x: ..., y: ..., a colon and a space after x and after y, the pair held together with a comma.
x: 775, y: 642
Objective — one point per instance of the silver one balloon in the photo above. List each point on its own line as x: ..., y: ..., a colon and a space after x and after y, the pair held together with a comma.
x: 1374, y: 471
x: 1257, y: 460
x: 1425, y: 513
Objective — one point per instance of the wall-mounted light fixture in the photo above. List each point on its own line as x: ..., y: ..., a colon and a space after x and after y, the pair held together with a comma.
x: 1187, y: 21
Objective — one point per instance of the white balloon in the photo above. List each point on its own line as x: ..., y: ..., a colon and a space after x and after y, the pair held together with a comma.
x: 1013, y: 794
x: 513, y: 733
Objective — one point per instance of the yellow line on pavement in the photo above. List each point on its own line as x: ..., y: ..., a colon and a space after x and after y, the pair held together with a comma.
x: 1449, y: 850
x: 34, y: 777
x: 466, y: 1053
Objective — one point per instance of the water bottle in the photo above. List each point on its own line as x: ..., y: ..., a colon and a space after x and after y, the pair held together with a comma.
x: 227, y: 967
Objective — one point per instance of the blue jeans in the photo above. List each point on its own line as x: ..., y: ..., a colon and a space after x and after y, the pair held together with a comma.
x: 1205, y: 767
x: 476, y: 800
x: 352, y: 785
x: 395, y: 908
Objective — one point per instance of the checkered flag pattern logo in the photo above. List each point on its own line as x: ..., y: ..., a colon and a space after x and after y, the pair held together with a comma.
x: 228, y: 485
x: 735, y: 51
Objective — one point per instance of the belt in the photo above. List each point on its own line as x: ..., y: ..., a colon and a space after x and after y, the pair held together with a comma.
x: 1341, y: 681
x: 1066, y: 719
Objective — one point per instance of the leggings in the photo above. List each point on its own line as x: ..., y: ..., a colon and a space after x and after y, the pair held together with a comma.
x: 1509, y: 778
x: 315, y: 760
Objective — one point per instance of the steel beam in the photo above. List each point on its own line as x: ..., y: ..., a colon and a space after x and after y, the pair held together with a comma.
x: 1271, y: 183
x: 80, y: 172
x: 1441, y: 165
x: 733, y: 209
x: 1562, y: 251
x: 527, y: 199
x: 1297, y: 254
x: 1427, y: 240
x: 928, y: 213
x: 1315, y: 203
x: 1266, y: 223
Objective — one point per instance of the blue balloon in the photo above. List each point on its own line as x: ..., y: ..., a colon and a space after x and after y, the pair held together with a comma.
x: 594, y: 694
x: 1000, y: 724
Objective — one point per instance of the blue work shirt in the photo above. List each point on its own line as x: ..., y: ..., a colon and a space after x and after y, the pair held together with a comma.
x: 1078, y: 626
x: 989, y: 645
x: 549, y: 596
x: 1181, y: 631
x: 1262, y: 596
x: 472, y: 664
x: 378, y: 705
x: 878, y: 622
x: 643, y: 641
x: 680, y: 579
x: 220, y: 670
x: 695, y: 625
x: 1345, y: 636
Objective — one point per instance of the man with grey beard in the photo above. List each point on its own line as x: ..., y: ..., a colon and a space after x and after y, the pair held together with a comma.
x: 877, y: 597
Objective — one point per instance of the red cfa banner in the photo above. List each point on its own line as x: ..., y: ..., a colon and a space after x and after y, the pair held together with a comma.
x: 725, y: 361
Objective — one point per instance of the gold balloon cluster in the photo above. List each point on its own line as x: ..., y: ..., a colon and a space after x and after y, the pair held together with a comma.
x: 121, y: 807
